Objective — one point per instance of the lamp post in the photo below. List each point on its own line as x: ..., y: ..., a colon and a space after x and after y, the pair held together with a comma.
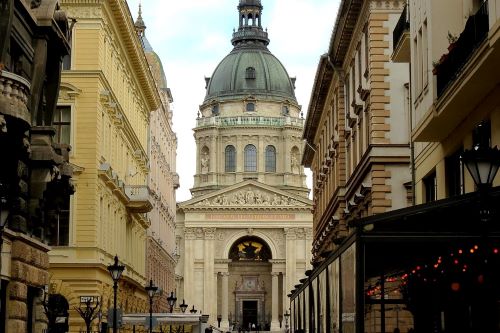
x: 483, y: 162
x: 287, y: 316
x: 193, y: 310
x: 171, y: 301
x: 116, y: 271
x: 4, y: 214
x: 151, y: 289
x: 183, y: 306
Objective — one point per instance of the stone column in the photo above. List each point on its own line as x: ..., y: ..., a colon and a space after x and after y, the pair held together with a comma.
x: 188, y: 272
x: 275, y: 324
x: 225, y: 301
x: 291, y: 259
x: 210, y: 282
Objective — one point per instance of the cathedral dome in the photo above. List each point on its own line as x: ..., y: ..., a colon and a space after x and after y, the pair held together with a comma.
x: 250, y: 68
x: 252, y: 71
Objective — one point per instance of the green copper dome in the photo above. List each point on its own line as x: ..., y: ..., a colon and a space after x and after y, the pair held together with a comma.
x: 250, y: 69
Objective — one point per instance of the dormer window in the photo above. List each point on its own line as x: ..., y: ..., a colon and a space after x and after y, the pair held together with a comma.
x: 250, y: 107
x: 215, y: 110
x: 250, y: 73
x: 285, y: 110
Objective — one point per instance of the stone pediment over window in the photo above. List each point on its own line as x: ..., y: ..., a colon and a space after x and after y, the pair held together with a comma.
x: 248, y: 195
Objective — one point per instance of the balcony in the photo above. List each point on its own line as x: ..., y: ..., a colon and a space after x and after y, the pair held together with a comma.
x: 249, y: 121
x: 401, y: 38
x: 14, y: 94
x: 176, y: 182
x: 476, y: 30
x: 468, y: 79
x: 138, y: 196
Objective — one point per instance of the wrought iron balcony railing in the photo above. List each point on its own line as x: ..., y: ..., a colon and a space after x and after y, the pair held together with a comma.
x: 449, y: 67
x: 402, y: 26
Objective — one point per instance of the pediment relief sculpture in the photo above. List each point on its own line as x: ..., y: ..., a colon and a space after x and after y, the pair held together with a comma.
x: 250, y: 197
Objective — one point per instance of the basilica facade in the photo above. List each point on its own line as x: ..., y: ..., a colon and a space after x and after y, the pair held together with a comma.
x: 245, y: 235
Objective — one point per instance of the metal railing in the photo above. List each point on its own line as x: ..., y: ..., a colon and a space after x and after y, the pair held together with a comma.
x: 402, y: 26
x: 475, y: 31
x: 249, y: 120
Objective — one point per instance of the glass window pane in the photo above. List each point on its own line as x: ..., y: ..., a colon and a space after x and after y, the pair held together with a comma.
x: 65, y: 134
x: 230, y: 159
x: 334, y: 279
x: 270, y: 159
x: 57, y: 116
x: 250, y: 107
x: 322, y: 324
x: 348, y: 275
x: 250, y: 158
x: 66, y: 114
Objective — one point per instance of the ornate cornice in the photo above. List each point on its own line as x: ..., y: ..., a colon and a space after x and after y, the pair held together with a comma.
x: 125, y: 31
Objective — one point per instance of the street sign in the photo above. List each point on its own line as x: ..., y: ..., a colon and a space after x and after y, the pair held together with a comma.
x: 85, y: 299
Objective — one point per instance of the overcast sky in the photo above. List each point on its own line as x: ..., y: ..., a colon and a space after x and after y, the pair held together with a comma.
x: 192, y: 36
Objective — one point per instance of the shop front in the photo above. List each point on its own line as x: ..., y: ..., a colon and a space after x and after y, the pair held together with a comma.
x: 432, y: 268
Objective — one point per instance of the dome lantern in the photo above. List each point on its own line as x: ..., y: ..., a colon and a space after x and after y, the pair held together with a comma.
x: 250, y: 28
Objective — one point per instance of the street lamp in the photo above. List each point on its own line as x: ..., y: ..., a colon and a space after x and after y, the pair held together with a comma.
x: 193, y: 310
x: 483, y: 162
x: 183, y: 306
x: 151, y: 289
x: 116, y: 271
x: 287, y: 316
x: 171, y: 301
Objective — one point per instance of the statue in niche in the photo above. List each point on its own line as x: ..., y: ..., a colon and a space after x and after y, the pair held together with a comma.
x: 205, y: 162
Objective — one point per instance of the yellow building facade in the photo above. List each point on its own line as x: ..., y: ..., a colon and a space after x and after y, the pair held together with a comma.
x: 107, y: 95
x: 450, y: 97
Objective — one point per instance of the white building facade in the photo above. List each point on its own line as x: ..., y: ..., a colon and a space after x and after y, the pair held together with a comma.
x: 245, y: 236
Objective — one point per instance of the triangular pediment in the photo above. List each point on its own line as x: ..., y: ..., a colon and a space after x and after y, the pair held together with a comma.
x: 248, y: 195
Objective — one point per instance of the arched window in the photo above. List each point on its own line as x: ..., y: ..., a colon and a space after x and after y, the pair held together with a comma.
x: 230, y: 159
x: 250, y: 73
x: 250, y: 107
x: 250, y: 158
x: 270, y: 159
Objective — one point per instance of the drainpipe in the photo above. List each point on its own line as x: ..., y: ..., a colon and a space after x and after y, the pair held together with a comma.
x: 412, y: 145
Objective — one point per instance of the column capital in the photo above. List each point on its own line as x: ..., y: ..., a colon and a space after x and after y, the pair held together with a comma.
x: 224, y: 273
x: 273, y: 274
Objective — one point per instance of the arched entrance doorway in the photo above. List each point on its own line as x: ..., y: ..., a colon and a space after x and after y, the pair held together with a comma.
x: 250, y: 279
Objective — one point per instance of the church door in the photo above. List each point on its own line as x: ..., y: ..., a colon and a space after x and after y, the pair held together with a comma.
x: 249, y: 313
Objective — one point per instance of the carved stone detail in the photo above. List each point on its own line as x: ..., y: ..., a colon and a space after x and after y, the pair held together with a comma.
x: 250, y: 197
x: 209, y: 233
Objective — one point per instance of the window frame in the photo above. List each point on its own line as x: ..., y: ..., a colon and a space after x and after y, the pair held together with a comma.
x: 228, y: 166
x: 250, y: 158
x: 270, y: 158
x: 57, y: 125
